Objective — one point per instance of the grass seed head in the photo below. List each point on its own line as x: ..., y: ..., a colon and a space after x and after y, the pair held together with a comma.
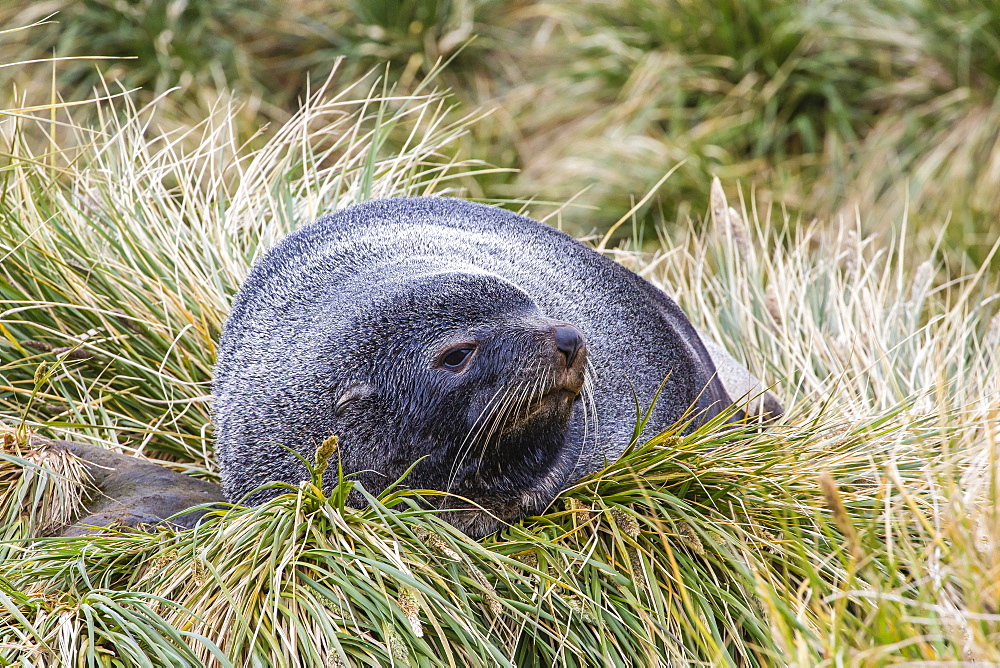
x: 397, y: 647
x: 626, y: 522
x: 324, y: 452
x: 437, y: 542
x: 488, y: 592
x: 577, y: 605
x: 690, y: 538
x: 409, y: 604
x: 529, y: 559
x: 333, y: 660
x: 583, y: 512
x: 199, y: 572
x: 841, y: 518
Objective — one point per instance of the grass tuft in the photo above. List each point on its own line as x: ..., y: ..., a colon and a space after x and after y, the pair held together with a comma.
x: 42, y: 489
x: 829, y: 108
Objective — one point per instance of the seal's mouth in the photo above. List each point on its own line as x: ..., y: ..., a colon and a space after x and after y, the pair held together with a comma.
x: 564, y: 388
x: 484, y: 516
x: 556, y: 399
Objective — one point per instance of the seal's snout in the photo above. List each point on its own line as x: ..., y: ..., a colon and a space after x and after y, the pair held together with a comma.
x: 569, y: 341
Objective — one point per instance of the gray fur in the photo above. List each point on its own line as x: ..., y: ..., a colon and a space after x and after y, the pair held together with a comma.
x: 353, y: 304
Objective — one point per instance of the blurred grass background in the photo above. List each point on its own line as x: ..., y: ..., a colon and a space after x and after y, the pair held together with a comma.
x: 885, y: 110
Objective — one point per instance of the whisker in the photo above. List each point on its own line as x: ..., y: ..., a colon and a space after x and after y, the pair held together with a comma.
x: 589, y: 413
x: 493, y: 421
x: 522, y: 397
x: 491, y: 407
x: 499, y: 419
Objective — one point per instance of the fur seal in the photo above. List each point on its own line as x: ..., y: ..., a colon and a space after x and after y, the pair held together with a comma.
x: 499, y: 357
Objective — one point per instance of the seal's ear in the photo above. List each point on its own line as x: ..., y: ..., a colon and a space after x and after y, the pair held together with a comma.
x: 351, y: 394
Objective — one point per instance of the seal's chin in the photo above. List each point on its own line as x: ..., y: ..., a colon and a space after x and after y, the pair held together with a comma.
x: 478, y: 520
x: 488, y: 514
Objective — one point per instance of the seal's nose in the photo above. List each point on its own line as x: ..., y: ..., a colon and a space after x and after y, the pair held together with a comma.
x: 569, y: 340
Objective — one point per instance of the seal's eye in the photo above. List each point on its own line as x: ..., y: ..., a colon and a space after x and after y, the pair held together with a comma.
x: 456, y: 358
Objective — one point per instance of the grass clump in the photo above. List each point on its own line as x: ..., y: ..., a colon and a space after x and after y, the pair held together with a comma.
x: 658, y: 558
x: 861, y: 530
x: 42, y: 489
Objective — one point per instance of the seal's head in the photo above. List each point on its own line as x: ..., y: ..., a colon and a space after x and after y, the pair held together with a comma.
x: 460, y: 376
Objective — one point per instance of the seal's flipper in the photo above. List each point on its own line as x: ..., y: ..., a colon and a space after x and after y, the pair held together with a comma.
x: 741, y: 384
x: 132, y: 492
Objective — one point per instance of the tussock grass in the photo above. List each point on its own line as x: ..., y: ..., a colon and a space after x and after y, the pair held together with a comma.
x: 42, y: 489
x: 884, y: 107
x: 861, y: 530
